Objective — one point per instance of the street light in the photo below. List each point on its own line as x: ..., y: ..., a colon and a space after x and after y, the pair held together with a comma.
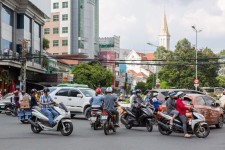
x: 157, y: 75
x: 196, y: 55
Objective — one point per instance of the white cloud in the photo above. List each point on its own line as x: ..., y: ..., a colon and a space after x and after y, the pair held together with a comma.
x: 137, y: 22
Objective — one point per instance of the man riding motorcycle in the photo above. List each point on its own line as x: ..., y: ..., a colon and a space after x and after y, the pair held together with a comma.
x: 45, y: 101
x: 33, y: 101
x: 180, y: 107
x: 108, y: 104
x: 135, y: 106
x: 97, y: 100
x: 170, y: 105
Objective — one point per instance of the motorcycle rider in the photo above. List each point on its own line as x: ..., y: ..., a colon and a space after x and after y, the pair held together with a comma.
x: 180, y: 107
x: 156, y: 102
x: 33, y: 101
x: 97, y: 100
x: 170, y: 105
x: 108, y: 104
x: 135, y: 106
x: 45, y: 101
x: 132, y: 97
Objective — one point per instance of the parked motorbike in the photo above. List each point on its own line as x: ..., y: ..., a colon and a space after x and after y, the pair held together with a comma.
x: 128, y: 117
x: 195, y: 124
x: 108, y: 120
x: 96, y: 112
x: 40, y: 122
x: 11, y: 109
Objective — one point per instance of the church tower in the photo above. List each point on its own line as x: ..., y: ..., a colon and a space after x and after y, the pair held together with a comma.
x: 164, y: 36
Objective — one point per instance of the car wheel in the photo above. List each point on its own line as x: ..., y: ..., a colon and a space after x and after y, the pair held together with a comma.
x: 73, y: 115
x: 220, y: 122
x: 87, y: 113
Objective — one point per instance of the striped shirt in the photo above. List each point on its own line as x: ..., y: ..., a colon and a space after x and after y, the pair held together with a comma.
x: 45, y: 99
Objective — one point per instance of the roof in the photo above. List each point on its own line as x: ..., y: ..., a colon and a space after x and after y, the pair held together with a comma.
x: 141, y: 74
x: 142, y: 55
x: 150, y: 56
x: 131, y: 72
x: 68, y: 62
x: 164, y: 29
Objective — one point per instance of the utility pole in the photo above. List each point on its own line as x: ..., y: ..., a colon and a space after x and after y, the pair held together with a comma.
x: 24, y: 44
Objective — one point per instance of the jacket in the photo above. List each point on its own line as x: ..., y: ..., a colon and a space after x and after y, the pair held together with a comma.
x: 180, y: 107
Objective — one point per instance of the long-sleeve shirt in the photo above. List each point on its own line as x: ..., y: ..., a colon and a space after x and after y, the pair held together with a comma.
x: 180, y: 107
x: 155, y: 102
x: 96, y: 100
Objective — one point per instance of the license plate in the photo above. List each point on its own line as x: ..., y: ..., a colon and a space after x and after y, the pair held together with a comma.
x: 104, y: 117
x: 93, y: 119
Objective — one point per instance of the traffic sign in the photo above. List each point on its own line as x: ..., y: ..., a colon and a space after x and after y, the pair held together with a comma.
x: 196, y: 81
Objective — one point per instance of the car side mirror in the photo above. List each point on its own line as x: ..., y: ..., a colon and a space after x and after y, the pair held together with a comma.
x: 80, y: 95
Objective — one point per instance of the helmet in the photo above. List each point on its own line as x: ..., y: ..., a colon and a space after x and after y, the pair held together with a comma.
x: 108, y: 90
x: 155, y: 94
x: 134, y: 92
x: 33, y: 91
x: 171, y: 93
x: 46, y: 89
x: 179, y: 94
x: 138, y: 91
x: 98, y: 90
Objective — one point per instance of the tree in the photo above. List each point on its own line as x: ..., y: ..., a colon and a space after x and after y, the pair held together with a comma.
x: 92, y: 75
x: 141, y: 86
x: 221, y: 81
x: 45, y: 43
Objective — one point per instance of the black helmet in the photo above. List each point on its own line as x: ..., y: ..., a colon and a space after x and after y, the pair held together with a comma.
x: 138, y: 91
x: 33, y: 91
x: 46, y: 89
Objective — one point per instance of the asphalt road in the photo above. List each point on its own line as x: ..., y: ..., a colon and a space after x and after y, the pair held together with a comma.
x: 17, y: 136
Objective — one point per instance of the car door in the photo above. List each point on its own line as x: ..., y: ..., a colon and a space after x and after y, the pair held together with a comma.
x: 212, y: 112
x: 74, y: 101
x: 61, y: 96
x: 201, y: 107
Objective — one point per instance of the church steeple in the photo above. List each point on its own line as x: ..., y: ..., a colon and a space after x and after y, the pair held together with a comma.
x: 164, y: 36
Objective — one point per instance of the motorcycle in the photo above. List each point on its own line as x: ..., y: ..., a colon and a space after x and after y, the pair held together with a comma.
x: 108, y: 120
x: 128, y: 117
x: 11, y: 109
x: 96, y: 113
x: 195, y: 124
x: 40, y: 122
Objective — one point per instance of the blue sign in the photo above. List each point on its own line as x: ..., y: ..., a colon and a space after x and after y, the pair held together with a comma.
x: 123, y: 68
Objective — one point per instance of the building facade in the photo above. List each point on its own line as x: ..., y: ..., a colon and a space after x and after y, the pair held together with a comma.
x: 21, y: 19
x: 73, y: 27
x: 164, y: 36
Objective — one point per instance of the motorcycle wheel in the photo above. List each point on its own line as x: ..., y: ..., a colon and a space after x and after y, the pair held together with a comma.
x: 149, y: 126
x: 106, y: 128
x: 68, y: 129
x: 201, y: 131
x: 35, y: 129
x: 24, y: 121
x: 163, y: 131
x: 87, y: 113
x: 14, y: 113
x: 128, y: 126
x: 95, y: 126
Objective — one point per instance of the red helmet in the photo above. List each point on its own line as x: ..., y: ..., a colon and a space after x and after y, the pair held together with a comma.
x: 98, y: 91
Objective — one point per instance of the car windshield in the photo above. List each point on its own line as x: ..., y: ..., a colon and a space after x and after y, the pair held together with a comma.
x: 7, y: 95
x: 51, y: 90
x: 187, y: 101
x: 88, y: 92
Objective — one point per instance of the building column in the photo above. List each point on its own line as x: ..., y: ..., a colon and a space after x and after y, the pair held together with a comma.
x: 0, y: 28
x: 14, y: 32
x: 41, y: 45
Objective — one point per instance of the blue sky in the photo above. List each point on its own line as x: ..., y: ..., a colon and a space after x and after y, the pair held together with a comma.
x: 139, y: 21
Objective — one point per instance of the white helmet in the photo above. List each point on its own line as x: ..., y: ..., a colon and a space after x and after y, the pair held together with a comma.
x: 179, y: 94
x: 109, y: 90
x: 155, y: 94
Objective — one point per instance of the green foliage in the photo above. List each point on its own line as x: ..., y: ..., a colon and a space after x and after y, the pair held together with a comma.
x: 45, y: 43
x: 142, y: 86
x: 221, y: 81
x: 92, y: 75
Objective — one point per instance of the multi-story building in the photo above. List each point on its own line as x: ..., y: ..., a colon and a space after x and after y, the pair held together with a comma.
x: 21, y: 19
x: 73, y: 27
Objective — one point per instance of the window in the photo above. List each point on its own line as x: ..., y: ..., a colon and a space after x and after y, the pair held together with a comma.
x: 88, y: 92
x: 37, y: 30
x: 46, y: 31
x: 73, y: 93
x: 208, y: 100
x: 65, y: 17
x: 64, y: 42
x: 7, y: 16
x: 64, y: 29
x: 55, y: 17
x: 62, y: 92
x: 55, y: 43
x: 55, y: 53
x: 65, y: 53
x: 55, y: 5
x: 200, y: 101
x: 64, y: 4
x: 55, y: 30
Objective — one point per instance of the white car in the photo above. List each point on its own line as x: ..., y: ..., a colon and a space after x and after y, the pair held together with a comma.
x: 75, y: 98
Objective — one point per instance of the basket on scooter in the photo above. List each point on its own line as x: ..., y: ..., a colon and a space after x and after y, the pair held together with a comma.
x: 21, y: 115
